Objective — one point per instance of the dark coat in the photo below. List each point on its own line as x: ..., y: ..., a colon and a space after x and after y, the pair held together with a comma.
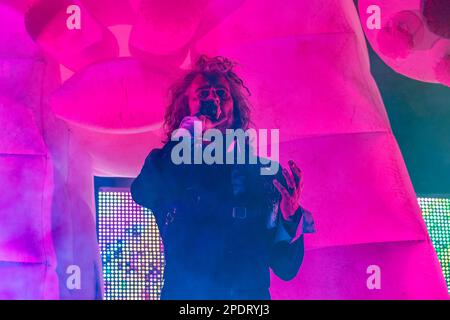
x: 218, y: 224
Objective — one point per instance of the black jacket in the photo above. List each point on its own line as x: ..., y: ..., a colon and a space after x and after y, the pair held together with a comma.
x: 219, y: 225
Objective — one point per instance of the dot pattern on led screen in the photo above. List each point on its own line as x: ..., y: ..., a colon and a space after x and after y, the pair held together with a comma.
x: 436, y: 213
x: 131, y: 248
x: 132, y: 253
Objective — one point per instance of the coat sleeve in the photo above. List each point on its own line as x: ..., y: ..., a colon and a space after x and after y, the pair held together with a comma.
x: 286, y: 256
x: 286, y: 252
x: 151, y: 188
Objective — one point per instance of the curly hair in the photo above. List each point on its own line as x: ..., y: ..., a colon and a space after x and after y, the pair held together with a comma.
x: 214, y: 66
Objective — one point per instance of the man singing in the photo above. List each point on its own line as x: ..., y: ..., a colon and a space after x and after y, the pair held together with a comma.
x: 223, y: 225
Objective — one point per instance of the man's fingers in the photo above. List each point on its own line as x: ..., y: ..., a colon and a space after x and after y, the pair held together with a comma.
x: 296, y: 172
x: 289, y: 179
x: 280, y: 188
x: 207, y: 123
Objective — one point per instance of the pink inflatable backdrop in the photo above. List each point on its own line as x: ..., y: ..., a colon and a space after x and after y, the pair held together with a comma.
x: 89, y: 101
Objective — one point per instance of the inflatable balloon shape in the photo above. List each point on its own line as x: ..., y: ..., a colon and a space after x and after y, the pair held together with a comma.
x: 116, y: 96
x: 373, y: 267
x: 308, y: 70
x: 399, y: 36
x: 412, y: 37
x: 117, y: 155
x: 163, y: 30
x: 214, y: 13
x: 25, y: 240
x: 437, y: 16
x: 442, y: 70
x: 46, y: 217
x: 111, y: 13
x: 287, y: 69
x: 270, y: 22
x: 19, y: 5
x: 14, y: 37
x: 68, y: 32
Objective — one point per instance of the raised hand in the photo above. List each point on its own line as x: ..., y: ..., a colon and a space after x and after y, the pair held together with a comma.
x: 290, y: 197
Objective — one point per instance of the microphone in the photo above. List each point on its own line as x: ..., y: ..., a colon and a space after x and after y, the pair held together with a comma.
x: 210, y: 109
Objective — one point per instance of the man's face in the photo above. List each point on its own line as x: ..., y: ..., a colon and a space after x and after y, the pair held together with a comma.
x: 213, y: 89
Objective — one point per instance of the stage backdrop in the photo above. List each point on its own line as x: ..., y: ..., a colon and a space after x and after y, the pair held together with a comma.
x: 82, y: 102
